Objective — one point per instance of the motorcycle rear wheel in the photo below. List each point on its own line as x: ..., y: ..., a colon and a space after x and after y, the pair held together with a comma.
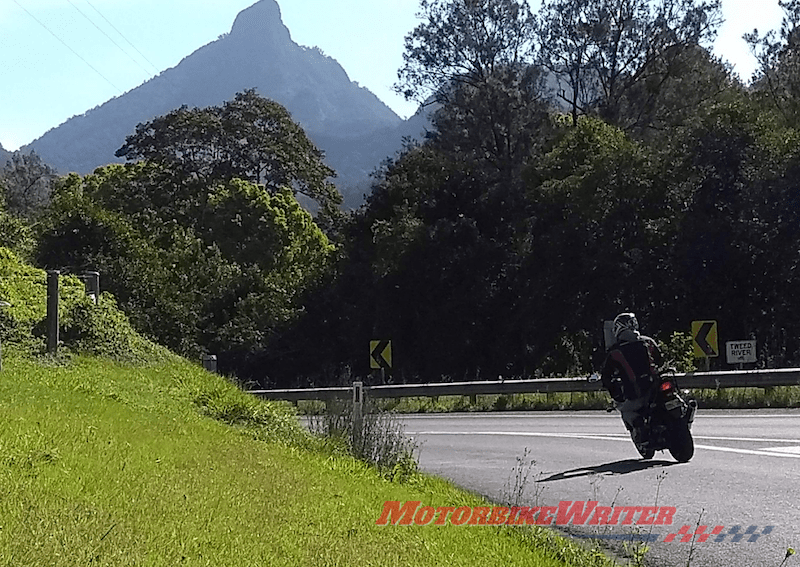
x: 681, y: 444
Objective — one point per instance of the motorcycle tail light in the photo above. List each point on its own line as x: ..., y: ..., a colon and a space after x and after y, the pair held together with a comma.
x: 666, y: 386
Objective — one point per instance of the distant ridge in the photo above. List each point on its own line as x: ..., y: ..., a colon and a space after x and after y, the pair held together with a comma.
x: 355, y: 129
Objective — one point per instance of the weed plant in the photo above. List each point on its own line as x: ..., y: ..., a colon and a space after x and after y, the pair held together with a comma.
x: 380, y: 439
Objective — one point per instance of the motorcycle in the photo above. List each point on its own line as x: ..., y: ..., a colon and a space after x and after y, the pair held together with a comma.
x: 667, y: 416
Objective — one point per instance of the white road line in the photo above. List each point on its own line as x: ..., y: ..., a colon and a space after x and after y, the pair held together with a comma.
x: 595, y: 414
x: 753, y: 439
x: 793, y: 450
x: 606, y: 435
x: 769, y: 452
x: 765, y: 453
x: 600, y: 436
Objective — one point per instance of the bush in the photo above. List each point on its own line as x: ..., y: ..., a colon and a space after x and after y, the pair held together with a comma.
x: 678, y: 352
x: 271, y: 421
x: 100, y: 329
x: 25, y: 289
x: 104, y: 330
x: 15, y: 234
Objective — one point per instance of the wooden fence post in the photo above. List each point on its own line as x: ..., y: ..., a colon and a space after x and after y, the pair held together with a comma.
x: 2, y: 304
x: 52, y: 311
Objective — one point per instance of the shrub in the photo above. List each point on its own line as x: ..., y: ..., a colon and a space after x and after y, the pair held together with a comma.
x: 99, y: 329
x: 104, y: 330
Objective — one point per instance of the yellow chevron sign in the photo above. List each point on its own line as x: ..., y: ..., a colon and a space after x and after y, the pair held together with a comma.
x: 380, y: 354
x: 705, y: 339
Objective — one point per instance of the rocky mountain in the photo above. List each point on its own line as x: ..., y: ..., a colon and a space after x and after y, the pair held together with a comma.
x: 4, y: 156
x: 354, y: 128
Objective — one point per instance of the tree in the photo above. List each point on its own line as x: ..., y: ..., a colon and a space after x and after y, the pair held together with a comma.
x: 496, y: 125
x: 27, y: 183
x: 271, y: 231
x: 438, y: 232
x: 602, y: 220
x: 690, y: 86
x: 778, y: 74
x: 249, y: 138
x: 736, y: 256
x: 222, y: 273
x: 472, y: 58
x: 463, y: 41
x: 599, y: 50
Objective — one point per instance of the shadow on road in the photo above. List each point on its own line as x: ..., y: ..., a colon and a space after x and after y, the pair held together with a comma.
x: 617, y: 467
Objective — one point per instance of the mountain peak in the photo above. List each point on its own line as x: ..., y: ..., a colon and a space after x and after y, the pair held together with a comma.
x: 350, y: 124
x: 261, y: 19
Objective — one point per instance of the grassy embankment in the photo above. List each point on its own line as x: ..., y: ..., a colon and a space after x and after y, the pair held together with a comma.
x: 167, y: 465
x: 150, y: 460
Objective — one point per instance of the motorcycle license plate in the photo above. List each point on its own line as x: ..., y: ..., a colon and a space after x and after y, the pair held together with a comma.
x: 672, y: 404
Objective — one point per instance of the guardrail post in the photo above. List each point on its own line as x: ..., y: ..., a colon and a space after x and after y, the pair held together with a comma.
x: 91, y: 281
x: 210, y: 362
x: 358, y: 408
x: 52, y: 311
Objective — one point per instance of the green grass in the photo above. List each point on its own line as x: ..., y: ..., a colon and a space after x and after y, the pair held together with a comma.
x: 746, y: 398
x: 111, y: 464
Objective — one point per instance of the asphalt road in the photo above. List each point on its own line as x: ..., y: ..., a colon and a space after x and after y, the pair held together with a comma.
x: 745, y: 472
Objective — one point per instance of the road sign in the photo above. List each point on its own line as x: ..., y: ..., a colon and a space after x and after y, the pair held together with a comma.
x: 705, y: 339
x: 741, y: 352
x: 380, y: 354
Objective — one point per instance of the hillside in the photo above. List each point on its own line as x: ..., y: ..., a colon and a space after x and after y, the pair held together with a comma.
x: 149, y: 459
x: 349, y: 122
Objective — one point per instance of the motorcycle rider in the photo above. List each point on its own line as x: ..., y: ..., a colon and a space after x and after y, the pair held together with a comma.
x: 630, y: 368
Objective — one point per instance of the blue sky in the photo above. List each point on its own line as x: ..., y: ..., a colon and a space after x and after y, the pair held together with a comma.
x: 60, y: 58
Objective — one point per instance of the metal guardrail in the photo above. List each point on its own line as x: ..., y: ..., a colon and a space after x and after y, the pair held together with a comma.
x: 692, y: 380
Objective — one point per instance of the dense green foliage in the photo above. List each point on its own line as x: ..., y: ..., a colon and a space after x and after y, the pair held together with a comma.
x: 85, y: 327
x: 496, y: 246
x: 499, y: 245
x: 197, y: 267
x: 248, y: 138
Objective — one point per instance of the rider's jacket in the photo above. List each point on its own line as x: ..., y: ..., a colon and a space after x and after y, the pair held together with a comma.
x: 630, y: 366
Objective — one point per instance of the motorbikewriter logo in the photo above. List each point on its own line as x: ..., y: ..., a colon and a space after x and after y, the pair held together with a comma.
x: 568, y: 512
